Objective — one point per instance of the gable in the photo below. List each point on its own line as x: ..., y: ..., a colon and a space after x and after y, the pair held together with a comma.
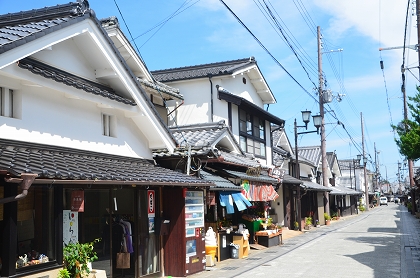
x: 77, y: 44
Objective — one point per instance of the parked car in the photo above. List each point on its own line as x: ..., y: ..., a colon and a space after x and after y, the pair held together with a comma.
x: 383, y: 201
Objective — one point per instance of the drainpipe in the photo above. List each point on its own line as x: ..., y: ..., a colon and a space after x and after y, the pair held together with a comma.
x: 211, y: 98
x: 27, y: 180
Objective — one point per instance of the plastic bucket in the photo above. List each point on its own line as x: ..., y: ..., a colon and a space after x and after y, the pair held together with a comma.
x: 234, y: 252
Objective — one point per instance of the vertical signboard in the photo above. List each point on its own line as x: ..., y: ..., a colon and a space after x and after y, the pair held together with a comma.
x: 151, y: 203
x: 70, y: 227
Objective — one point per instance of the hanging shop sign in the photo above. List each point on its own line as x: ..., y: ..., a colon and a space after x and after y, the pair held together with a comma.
x: 78, y: 200
x: 151, y: 203
x: 211, y: 198
x: 276, y: 173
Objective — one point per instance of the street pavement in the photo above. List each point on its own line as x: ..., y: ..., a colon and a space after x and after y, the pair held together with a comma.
x: 383, y: 242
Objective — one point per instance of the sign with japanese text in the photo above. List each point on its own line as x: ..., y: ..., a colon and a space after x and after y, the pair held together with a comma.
x: 78, y: 200
x: 70, y: 227
x: 151, y: 203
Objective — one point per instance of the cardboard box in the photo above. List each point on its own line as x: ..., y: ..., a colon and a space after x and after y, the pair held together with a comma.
x: 209, y: 260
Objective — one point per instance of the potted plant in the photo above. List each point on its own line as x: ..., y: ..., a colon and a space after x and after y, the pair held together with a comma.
x: 308, y: 223
x: 327, y: 218
x: 296, y: 225
x: 76, y: 257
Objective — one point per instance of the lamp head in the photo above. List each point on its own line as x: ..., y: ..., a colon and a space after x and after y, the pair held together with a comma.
x: 317, y: 121
x: 306, y: 115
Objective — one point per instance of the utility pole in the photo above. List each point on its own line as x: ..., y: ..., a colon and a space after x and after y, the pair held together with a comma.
x: 364, y: 165
x: 321, y: 112
x: 376, y: 167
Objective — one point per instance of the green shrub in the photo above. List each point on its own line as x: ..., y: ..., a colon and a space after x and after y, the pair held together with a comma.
x: 76, y: 256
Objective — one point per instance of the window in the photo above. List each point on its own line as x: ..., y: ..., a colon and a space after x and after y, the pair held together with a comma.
x: 36, y: 227
x: 108, y: 128
x: 6, y: 102
x: 252, y: 133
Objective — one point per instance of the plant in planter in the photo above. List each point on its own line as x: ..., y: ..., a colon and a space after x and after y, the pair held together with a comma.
x: 296, y: 225
x: 76, y: 257
x: 327, y: 218
x: 308, y: 222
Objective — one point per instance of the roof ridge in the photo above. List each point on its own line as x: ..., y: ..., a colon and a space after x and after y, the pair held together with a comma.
x: 220, y: 124
x: 208, y: 65
x: 78, y: 8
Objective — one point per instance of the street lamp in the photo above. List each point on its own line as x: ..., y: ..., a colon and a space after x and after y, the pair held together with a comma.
x: 366, y: 183
x: 306, y: 115
x: 354, y: 170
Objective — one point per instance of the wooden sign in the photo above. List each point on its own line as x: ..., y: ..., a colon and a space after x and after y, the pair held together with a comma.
x: 151, y: 203
x: 78, y: 200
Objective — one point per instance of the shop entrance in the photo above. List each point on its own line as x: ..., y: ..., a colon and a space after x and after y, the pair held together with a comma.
x: 121, y: 219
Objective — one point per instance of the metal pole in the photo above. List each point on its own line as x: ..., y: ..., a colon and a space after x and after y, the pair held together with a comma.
x: 321, y: 112
x: 364, y: 166
x: 351, y: 181
x: 297, y: 175
x: 354, y: 169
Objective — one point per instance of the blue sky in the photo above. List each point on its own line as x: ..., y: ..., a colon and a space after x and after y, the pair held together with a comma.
x: 179, y: 33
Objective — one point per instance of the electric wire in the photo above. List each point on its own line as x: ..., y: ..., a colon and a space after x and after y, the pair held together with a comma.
x: 265, y: 49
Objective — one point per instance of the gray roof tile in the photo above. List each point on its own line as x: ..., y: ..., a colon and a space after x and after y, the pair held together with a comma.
x: 200, y: 71
x: 19, y: 28
x: 221, y: 183
x: 69, y: 79
x: 60, y: 163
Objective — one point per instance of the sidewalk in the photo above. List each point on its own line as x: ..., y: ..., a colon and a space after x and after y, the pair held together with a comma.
x: 410, y: 244
x: 291, y: 240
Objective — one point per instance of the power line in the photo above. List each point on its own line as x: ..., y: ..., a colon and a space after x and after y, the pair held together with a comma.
x: 265, y: 49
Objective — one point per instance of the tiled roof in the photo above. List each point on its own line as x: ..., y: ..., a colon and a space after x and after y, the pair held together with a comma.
x: 69, y: 79
x: 248, y: 106
x: 244, y: 176
x: 19, y: 28
x: 199, y: 135
x: 342, y: 190
x: 287, y: 179
x: 238, y: 159
x: 221, y: 183
x: 160, y: 87
x: 202, y: 137
x: 312, y: 186
x: 64, y: 164
x: 200, y: 71
x: 312, y: 154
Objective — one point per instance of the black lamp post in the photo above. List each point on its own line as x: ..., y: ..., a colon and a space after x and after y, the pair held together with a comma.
x: 354, y: 170
x: 306, y: 115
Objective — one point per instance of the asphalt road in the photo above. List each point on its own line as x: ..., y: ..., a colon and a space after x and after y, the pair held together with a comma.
x: 365, y: 245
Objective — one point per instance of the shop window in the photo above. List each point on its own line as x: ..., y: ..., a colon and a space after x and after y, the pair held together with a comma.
x: 35, y: 228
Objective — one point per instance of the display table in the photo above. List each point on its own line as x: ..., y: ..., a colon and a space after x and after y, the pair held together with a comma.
x: 268, y: 239
x: 243, y: 244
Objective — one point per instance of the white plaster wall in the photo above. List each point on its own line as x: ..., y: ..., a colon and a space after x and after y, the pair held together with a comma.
x: 278, y: 206
x: 196, y: 107
x: 48, y: 117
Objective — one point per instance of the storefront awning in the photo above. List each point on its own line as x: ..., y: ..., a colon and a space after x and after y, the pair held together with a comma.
x: 228, y: 198
x: 260, y: 193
